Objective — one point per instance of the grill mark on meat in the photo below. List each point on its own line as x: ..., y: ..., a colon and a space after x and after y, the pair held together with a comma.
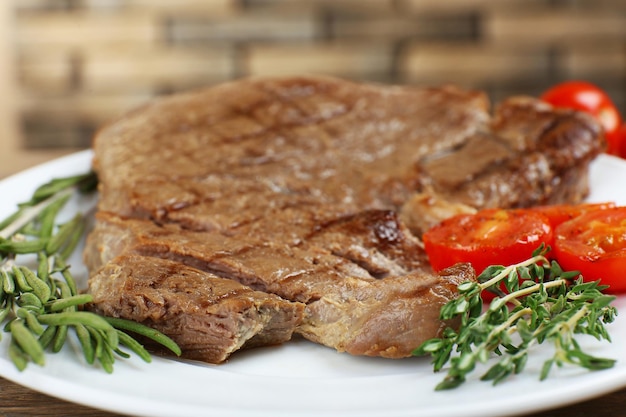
x: 377, y: 253
x: 307, y: 117
x: 215, y: 268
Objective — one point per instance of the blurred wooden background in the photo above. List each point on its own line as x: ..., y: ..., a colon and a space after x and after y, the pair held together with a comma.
x: 68, y: 66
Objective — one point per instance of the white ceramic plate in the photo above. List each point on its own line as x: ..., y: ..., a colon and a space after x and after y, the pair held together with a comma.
x: 301, y: 379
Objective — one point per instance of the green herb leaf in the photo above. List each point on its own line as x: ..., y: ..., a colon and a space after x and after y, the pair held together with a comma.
x: 542, y: 303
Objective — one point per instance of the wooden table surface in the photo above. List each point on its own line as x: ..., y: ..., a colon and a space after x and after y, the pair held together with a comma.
x: 17, y: 401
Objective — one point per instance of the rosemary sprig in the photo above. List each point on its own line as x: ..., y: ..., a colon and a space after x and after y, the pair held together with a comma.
x: 41, y: 306
x: 541, y: 303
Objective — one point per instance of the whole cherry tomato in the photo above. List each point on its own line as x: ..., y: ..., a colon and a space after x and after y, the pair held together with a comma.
x: 585, y: 96
x: 621, y: 140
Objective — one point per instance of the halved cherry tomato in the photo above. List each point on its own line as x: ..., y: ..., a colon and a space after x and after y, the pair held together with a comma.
x: 489, y: 237
x: 505, y: 237
x: 585, y: 96
x: 594, y: 243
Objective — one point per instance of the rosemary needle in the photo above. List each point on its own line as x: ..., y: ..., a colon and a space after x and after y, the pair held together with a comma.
x: 41, y: 306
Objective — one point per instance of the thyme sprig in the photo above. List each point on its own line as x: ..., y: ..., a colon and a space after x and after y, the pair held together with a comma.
x: 42, y: 305
x: 536, y: 302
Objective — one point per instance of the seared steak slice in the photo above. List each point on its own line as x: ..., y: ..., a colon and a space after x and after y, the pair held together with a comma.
x: 208, y: 316
x: 292, y: 186
x: 359, y: 276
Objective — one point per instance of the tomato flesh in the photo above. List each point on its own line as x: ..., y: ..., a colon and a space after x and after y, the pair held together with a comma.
x: 560, y: 213
x: 595, y: 244
x: 489, y: 237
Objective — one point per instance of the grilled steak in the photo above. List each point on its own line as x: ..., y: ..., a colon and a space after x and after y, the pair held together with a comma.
x: 306, y: 188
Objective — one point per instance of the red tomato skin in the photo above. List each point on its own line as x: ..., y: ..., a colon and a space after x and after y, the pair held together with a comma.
x: 615, y: 142
x: 585, y: 96
x: 620, y: 141
x: 576, y: 247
